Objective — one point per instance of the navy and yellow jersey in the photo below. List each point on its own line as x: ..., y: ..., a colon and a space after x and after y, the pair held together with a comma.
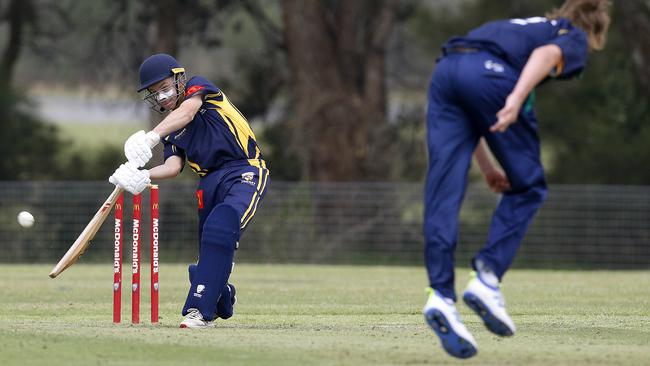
x: 515, y: 39
x: 218, y: 136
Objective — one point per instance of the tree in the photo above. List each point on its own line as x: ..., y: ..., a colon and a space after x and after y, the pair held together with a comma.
x: 30, y: 147
x: 637, y: 30
x: 20, y: 13
x: 336, y: 53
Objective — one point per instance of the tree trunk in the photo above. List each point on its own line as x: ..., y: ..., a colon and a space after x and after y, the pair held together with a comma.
x: 165, y: 40
x: 636, y: 27
x: 19, y: 13
x: 166, y: 27
x: 336, y: 57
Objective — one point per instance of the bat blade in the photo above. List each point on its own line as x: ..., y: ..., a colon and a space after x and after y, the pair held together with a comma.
x: 83, y: 241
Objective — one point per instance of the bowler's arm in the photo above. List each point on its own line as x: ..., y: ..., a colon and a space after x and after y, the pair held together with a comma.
x: 495, y: 178
x: 538, y: 67
x: 483, y: 156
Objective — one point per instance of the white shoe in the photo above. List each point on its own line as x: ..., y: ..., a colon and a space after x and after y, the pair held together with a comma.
x: 194, y: 319
x: 488, y: 303
x: 441, y: 315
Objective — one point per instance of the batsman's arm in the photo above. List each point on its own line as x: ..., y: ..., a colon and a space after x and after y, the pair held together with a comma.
x: 171, y: 168
x: 179, y: 117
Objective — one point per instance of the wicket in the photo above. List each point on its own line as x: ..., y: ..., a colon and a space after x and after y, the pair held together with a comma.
x: 136, y: 256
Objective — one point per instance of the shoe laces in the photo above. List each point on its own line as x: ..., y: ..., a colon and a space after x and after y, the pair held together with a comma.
x: 194, y: 314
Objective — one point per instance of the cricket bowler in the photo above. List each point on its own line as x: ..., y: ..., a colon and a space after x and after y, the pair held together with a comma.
x: 482, y: 89
x: 203, y: 128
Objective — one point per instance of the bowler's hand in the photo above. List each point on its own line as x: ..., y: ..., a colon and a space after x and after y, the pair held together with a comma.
x: 497, y: 180
x: 508, y: 114
x: 137, y: 148
x: 130, y: 178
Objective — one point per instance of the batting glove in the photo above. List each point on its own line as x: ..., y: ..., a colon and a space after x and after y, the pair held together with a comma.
x: 130, y: 178
x: 137, y: 148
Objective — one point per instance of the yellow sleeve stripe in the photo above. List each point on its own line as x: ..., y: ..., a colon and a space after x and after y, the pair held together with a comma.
x: 257, y: 163
x: 197, y: 169
x: 217, y: 95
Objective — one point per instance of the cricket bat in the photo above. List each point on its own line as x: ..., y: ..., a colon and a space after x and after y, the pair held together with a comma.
x: 83, y: 241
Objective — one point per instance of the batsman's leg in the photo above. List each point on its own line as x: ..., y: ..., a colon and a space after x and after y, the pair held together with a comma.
x: 218, y: 242
x: 227, y: 299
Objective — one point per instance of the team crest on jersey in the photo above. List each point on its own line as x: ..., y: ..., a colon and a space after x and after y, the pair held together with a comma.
x: 248, y: 178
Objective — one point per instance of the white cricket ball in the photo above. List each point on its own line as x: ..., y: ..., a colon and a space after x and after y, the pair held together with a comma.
x: 25, y: 219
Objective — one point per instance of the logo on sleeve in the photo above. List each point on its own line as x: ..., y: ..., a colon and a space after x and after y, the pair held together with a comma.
x: 193, y: 89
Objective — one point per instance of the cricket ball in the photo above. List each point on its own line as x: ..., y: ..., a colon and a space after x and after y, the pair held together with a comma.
x: 25, y: 219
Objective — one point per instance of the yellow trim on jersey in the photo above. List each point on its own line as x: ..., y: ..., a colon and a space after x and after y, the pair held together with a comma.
x: 264, y: 174
x: 232, y: 129
x: 250, y: 217
x: 258, y: 163
x: 236, y: 122
x: 197, y: 169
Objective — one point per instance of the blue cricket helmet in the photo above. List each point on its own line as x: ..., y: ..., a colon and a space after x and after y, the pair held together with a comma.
x: 156, y: 68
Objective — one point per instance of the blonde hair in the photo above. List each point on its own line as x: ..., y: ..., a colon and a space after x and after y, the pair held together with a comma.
x: 592, y: 16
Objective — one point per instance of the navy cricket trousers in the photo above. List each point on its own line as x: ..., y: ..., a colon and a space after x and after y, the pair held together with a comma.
x: 465, y: 93
x: 241, y: 186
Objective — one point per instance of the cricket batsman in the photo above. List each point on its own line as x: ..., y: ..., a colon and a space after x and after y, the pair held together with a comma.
x: 483, y: 90
x: 203, y: 128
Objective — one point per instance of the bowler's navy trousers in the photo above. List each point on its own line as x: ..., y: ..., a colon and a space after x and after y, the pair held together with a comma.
x: 466, y: 91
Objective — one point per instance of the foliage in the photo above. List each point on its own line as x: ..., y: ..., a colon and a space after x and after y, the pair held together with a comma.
x: 594, y: 130
x: 34, y: 150
x: 29, y: 149
x: 599, y: 126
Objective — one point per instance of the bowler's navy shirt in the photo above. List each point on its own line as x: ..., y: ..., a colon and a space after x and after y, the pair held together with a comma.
x: 515, y: 39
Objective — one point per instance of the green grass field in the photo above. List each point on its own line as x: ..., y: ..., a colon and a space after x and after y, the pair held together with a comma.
x: 320, y: 315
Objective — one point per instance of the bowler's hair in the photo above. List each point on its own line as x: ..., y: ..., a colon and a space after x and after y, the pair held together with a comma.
x: 592, y: 16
